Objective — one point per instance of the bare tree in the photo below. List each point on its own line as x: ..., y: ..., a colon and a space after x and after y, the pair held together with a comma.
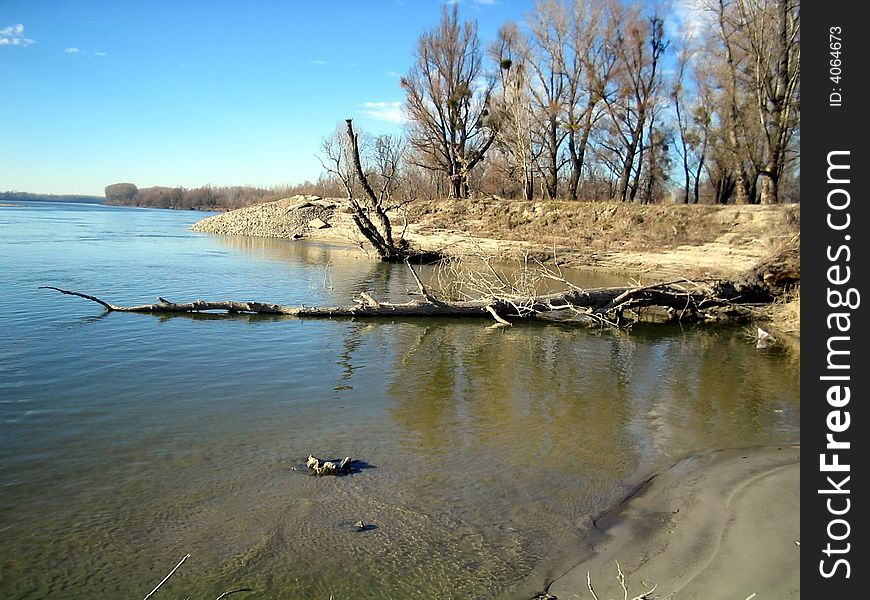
x: 548, y: 86
x: 771, y: 39
x: 368, y: 194
x: 692, y: 112
x: 733, y: 114
x: 589, y: 67
x: 513, y: 104
x: 448, y: 97
x: 639, y: 45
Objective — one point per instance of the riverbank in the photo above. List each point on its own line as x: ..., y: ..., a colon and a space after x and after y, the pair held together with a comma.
x: 654, y: 240
x: 646, y: 243
x: 723, y: 525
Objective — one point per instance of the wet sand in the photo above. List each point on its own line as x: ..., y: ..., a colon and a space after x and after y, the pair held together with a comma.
x: 720, y: 525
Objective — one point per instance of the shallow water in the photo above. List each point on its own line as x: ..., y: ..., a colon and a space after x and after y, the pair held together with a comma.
x: 128, y: 440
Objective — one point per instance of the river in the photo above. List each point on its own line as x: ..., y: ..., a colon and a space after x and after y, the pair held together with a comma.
x: 130, y: 440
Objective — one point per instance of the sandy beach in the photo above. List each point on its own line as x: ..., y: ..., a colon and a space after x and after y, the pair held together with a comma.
x: 724, y: 525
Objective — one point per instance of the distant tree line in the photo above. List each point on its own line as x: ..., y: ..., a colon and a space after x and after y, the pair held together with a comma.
x: 591, y: 100
x: 207, y: 197
x: 25, y: 196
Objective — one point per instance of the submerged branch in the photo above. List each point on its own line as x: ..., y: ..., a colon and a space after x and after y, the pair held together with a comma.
x: 186, y: 556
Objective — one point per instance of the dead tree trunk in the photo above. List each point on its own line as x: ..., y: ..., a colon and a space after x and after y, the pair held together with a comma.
x: 381, y: 234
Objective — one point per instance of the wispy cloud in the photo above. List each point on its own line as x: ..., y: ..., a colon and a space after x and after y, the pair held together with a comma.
x: 74, y: 50
x: 394, y: 74
x: 14, y: 36
x: 317, y: 62
x: 690, y: 19
x: 384, y: 111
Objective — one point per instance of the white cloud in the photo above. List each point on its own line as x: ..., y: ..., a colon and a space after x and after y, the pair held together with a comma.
x: 318, y: 62
x: 74, y: 50
x: 14, y: 36
x: 690, y: 19
x: 384, y: 111
x: 394, y: 74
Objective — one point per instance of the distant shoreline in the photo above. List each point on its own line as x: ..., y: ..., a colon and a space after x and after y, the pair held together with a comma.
x: 63, y: 198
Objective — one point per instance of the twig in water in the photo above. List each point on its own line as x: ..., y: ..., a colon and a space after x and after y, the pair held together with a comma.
x: 165, y: 579
x: 228, y: 592
x: 495, y: 316
x: 589, y: 585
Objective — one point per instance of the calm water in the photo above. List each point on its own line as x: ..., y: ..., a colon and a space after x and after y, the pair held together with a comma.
x: 127, y: 440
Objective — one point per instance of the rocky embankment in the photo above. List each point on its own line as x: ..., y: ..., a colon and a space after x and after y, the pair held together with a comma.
x: 290, y: 218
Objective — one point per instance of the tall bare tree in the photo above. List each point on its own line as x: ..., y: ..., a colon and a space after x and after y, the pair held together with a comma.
x: 513, y: 104
x: 639, y: 45
x: 447, y: 98
x: 589, y: 67
x: 732, y: 115
x: 548, y: 86
x: 692, y: 103
x: 771, y: 41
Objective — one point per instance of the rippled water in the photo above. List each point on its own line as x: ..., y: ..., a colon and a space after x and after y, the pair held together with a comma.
x: 128, y: 440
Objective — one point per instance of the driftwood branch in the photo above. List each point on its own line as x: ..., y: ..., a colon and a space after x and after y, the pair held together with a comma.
x: 495, y: 298
x: 599, y: 305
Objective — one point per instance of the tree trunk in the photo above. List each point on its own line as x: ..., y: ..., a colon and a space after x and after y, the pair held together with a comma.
x: 769, y: 187
x: 552, y: 175
x: 741, y: 187
x: 577, y: 150
x: 697, y: 175
x: 456, y: 187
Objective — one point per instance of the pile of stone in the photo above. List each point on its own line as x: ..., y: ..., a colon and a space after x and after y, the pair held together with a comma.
x: 286, y: 218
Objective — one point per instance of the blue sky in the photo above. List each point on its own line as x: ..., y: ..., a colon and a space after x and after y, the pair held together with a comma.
x: 195, y: 92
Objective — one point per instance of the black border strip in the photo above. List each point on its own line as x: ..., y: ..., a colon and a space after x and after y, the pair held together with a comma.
x: 833, y: 250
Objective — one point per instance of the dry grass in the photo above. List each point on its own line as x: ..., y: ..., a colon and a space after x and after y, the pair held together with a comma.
x: 600, y: 225
x: 785, y: 313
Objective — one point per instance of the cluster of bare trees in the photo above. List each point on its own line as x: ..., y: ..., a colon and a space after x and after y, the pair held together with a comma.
x: 590, y: 99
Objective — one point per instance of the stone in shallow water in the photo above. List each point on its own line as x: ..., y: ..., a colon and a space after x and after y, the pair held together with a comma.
x: 329, y: 467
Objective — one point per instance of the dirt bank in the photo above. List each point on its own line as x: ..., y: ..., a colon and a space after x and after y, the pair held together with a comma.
x: 659, y: 240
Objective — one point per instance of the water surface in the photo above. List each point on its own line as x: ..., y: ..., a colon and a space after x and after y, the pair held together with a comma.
x: 129, y: 440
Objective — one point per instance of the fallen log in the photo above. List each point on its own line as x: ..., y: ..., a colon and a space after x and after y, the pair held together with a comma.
x: 683, y: 299
x: 606, y: 305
